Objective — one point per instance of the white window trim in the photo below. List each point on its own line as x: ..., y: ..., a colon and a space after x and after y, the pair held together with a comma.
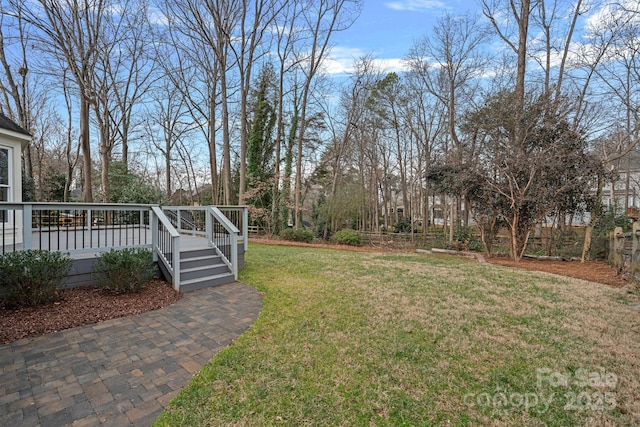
x: 9, y: 216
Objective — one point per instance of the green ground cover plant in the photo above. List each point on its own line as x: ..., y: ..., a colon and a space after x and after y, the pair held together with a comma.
x: 350, y: 338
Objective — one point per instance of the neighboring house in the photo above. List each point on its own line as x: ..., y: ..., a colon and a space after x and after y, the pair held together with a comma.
x: 12, y: 140
x: 626, y: 188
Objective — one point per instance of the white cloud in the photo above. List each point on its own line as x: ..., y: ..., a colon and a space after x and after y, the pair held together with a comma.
x: 612, y: 14
x: 389, y: 65
x: 341, y: 61
x: 156, y: 17
x: 415, y: 5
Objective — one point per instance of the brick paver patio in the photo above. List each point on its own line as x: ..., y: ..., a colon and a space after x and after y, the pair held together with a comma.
x: 120, y: 372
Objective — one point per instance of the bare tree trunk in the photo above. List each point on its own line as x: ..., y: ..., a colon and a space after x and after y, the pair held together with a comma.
x: 85, y: 144
x: 213, y: 162
x: 523, y: 29
x: 595, y: 215
x: 105, y: 158
x: 451, y: 219
x: 323, y: 20
x: 226, y: 142
x: 167, y: 164
x: 275, y: 203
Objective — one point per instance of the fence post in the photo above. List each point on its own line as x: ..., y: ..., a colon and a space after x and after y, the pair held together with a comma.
x: 617, y: 248
x: 635, y: 251
x: 612, y: 248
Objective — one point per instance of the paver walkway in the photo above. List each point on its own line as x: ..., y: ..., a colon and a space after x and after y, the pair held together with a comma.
x: 120, y: 372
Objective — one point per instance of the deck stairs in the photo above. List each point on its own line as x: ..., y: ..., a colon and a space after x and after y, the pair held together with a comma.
x: 202, y: 268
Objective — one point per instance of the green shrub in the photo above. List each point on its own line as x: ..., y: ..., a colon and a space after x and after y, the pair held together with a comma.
x: 286, y: 234
x: 464, y: 238
x: 125, y: 270
x: 348, y: 237
x: 31, y: 277
x: 297, y: 235
x: 402, y: 226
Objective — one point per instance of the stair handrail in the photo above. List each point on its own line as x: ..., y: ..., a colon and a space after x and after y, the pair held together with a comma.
x: 231, y: 258
x: 242, y: 219
x: 173, y: 264
x: 174, y: 213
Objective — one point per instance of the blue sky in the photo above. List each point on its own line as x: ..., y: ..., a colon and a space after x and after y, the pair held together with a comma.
x: 388, y: 28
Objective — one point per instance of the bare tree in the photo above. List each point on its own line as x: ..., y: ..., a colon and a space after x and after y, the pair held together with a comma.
x: 17, y: 85
x: 192, y: 71
x: 261, y: 18
x: 122, y: 76
x: 387, y: 99
x: 286, y: 37
x: 70, y: 31
x: 520, y: 11
x: 321, y: 18
x: 72, y: 154
x: 612, y: 57
x: 346, y: 148
x: 428, y: 126
x: 448, y: 64
x: 168, y: 123
x: 132, y: 73
x: 55, y: 148
x: 209, y: 26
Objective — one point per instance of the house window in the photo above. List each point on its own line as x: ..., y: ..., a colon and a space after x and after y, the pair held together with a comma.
x: 5, y: 180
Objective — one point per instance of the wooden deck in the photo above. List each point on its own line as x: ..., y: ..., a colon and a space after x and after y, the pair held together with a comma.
x: 176, y: 234
x: 83, y: 243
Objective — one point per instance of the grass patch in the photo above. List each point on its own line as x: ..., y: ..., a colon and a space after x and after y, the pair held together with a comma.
x: 350, y: 338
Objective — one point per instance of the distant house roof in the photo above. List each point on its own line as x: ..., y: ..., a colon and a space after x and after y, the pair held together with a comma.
x: 8, y: 124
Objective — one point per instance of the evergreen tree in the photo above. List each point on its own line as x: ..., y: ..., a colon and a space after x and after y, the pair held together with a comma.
x: 261, y: 146
x: 262, y: 120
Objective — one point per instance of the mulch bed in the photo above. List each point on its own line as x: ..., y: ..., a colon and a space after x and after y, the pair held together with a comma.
x: 593, y: 271
x: 81, y: 306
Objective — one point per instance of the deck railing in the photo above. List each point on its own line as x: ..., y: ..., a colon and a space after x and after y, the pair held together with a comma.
x: 223, y: 235
x: 166, y: 244
x: 73, y: 227
x: 192, y: 220
x: 90, y: 228
x: 209, y: 221
x: 239, y: 216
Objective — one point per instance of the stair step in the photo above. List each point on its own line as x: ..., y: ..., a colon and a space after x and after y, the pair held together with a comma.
x: 206, y: 282
x: 195, y: 253
x: 203, y: 271
x: 201, y: 261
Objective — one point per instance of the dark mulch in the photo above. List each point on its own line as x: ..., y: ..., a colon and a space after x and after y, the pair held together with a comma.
x: 81, y: 306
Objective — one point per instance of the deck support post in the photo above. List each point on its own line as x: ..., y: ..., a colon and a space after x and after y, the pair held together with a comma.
x: 27, y: 230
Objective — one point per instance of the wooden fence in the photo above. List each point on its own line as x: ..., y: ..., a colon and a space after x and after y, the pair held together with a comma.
x: 398, y: 240
x: 624, y: 251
